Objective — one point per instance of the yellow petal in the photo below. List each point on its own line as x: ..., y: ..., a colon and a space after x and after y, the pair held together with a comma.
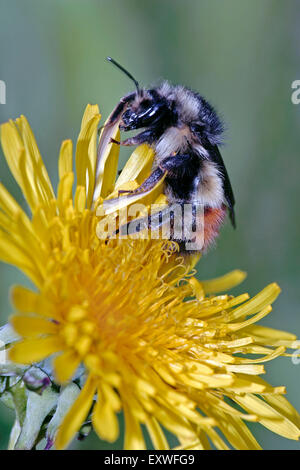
x: 34, y: 350
x: 197, y: 286
x: 111, y: 396
x: 76, y: 415
x: 245, y: 385
x: 283, y: 406
x: 273, y: 336
x: 89, y: 125
x: 91, y: 169
x: 255, y: 318
x: 64, y: 192
x: 29, y: 326
x: 65, y: 365
x: 112, y: 205
x: 80, y: 199
x: 105, y: 147
x: 65, y: 158
x: 12, y: 254
x: 20, y: 166
x: 129, y: 186
x: 158, y: 437
x: 25, y: 162
x: 40, y: 224
x: 237, y: 433
x: 268, y: 416
x: 110, y: 168
x: 27, y: 301
x: 134, y: 439
x: 174, y: 422
x: 30, y: 189
x: 191, y: 260
x: 33, y: 155
x: 90, y: 112
x: 262, y: 299
x: 216, y: 439
x: 9, y: 205
x: 224, y: 283
x: 12, y: 146
x: 271, y: 354
x: 249, y: 369
x: 105, y: 421
x: 138, y: 166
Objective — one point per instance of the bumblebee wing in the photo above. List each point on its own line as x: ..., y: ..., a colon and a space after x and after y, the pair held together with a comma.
x: 217, y: 158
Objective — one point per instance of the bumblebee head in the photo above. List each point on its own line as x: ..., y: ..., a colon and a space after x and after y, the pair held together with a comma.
x: 148, y: 109
x: 144, y: 108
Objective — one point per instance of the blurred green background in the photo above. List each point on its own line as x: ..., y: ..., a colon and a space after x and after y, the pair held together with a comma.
x: 241, y: 55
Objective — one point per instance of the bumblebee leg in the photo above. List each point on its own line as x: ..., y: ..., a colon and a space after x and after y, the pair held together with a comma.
x: 176, y: 163
x: 125, y: 191
x: 156, y: 177
x: 150, y: 182
x: 114, y: 141
x: 157, y: 221
x: 141, y: 138
x: 153, y: 221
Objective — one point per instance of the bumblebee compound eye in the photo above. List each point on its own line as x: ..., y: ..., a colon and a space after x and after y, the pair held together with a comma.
x: 151, y: 113
x: 129, y: 119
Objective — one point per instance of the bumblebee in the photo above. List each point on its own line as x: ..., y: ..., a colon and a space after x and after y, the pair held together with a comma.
x: 185, y: 131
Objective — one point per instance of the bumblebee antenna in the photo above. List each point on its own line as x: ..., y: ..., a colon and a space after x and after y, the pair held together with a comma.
x: 110, y: 59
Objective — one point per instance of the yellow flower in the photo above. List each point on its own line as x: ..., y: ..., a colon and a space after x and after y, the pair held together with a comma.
x: 155, y: 343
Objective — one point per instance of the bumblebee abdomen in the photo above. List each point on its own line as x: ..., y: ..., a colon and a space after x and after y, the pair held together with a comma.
x: 213, y: 220
x: 205, y: 227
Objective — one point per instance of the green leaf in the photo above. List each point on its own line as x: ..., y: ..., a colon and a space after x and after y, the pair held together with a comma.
x: 38, y: 408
